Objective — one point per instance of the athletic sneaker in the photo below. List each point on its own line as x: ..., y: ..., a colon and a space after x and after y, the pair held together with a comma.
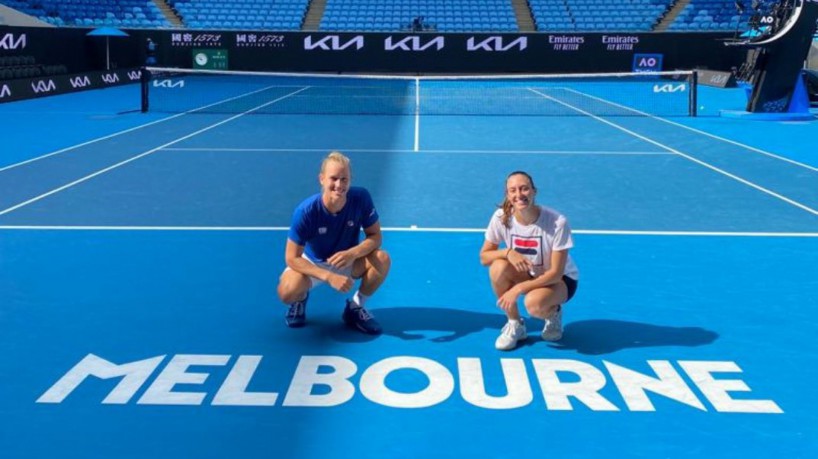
x: 553, y: 326
x: 297, y: 314
x: 510, y: 335
x: 361, y: 320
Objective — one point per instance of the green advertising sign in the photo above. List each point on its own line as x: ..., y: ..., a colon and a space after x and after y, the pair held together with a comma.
x: 214, y: 59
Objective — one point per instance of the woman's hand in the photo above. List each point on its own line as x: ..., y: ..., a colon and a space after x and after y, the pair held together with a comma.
x: 508, y: 300
x: 519, y: 261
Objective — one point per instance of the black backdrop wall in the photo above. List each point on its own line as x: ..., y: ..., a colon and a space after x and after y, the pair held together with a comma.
x: 375, y: 52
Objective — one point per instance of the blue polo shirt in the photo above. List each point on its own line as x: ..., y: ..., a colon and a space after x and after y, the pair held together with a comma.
x: 324, y: 233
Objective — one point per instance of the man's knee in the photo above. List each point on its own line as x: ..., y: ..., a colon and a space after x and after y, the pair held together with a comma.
x: 291, y: 287
x: 380, y: 260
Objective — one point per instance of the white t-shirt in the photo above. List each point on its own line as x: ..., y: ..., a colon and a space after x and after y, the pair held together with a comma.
x: 535, y: 241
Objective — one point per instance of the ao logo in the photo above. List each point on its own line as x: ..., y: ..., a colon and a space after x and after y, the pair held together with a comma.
x: 648, y: 62
x: 5, y: 91
x: 201, y: 59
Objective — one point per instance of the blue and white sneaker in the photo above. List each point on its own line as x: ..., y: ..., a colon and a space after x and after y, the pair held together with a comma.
x: 297, y: 314
x: 361, y: 320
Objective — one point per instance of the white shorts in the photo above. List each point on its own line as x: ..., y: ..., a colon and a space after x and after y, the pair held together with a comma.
x: 323, y: 265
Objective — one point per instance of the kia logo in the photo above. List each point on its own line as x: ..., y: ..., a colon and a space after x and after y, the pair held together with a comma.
x: 10, y: 43
x: 495, y: 44
x: 413, y: 44
x: 333, y: 43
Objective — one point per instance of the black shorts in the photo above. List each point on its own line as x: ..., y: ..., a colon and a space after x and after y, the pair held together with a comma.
x: 572, y: 286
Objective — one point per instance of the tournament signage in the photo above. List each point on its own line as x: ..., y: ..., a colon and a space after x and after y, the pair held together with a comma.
x: 13, y: 42
x: 333, y: 43
x: 459, y: 52
x: 647, y: 62
x: 566, y: 42
x: 28, y: 88
x: 213, y: 59
x: 619, y: 42
x: 380, y: 52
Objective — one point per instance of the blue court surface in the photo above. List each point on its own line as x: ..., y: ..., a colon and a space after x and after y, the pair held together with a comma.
x: 139, y: 255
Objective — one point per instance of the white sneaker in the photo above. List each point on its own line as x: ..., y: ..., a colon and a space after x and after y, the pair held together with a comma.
x: 510, y: 335
x: 553, y: 326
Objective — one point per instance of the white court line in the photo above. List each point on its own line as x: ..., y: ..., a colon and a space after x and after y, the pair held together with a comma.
x: 683, y: 155
x: 412, y: 229
x: 99, y: 139
x: 417, y: 114
x: 146, y: 153
x: 733, y: 142
x: 359, y: 150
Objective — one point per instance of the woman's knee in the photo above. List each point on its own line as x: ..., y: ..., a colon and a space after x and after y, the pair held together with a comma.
x: 499, y: 269
x: 542, y: 302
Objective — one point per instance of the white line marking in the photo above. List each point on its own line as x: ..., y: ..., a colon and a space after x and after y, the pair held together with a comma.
x: 738, y: 144
x: 134, y: 158
x: 688, y: 157
x: 417, y: 114
x: 410, y: 229
x: 99, y: 139
x: 359, y: 150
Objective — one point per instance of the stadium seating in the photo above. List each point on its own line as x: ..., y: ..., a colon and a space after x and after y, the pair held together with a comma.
x: 598, y: 15
x: 93, y: 13
x: 443, y: 16
x: 242, y: 14
x: 395, y: 15
x: 13, y: 67
x: 710, y: 15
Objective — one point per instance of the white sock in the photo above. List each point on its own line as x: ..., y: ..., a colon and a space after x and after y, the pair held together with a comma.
x: 358, y: 300
x: 514, y: 322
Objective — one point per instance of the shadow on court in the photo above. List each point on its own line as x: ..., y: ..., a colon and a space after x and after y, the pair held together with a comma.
x: 597, y: 337
x: 439, y: 325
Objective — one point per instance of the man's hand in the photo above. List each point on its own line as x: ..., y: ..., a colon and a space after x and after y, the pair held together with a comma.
x: 340, y: 282
x: 341, y: 260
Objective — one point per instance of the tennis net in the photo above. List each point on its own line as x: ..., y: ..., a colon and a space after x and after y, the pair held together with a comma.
x: 604, y: 94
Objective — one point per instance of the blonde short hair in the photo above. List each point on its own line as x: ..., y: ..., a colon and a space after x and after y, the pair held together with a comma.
x: 336, y: 156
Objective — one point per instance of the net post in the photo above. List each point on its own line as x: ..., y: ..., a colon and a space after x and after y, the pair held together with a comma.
x: 694, y: 96
x: 144, y: 80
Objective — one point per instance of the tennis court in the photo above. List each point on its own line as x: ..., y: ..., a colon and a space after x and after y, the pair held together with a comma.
x: 140, y: 252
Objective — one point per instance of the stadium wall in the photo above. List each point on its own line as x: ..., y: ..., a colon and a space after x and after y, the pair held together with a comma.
x: 377, y: 52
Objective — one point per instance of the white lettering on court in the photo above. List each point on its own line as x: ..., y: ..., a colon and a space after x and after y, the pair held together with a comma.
x: 133, y: 376
x: 473, y: 389
x: 307, y: 376
x: 716, y: 390
x: 440, y: 388
x: 328, y: 381
x: 632, y: 386
x: 161, y: 391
